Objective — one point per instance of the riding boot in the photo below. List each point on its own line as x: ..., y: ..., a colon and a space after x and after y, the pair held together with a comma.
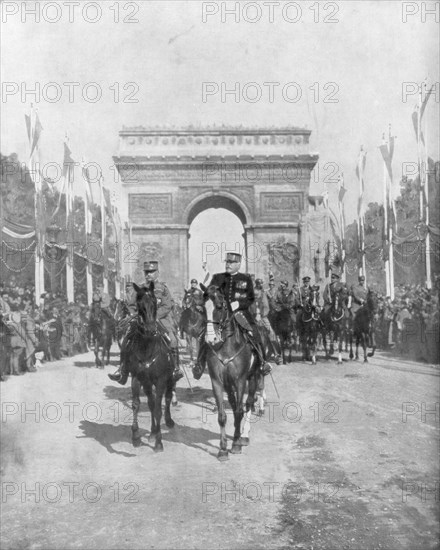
x: 121, y: 375
x: 177, y: 372
x: 200, y: 365
x: 257, y: 344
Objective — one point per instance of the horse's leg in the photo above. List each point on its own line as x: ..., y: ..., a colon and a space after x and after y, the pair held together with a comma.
x: 244, y: 439
x: 160, y: 390
x: 356, y: 357
x: 148, y: 389
x: 365, y: 346
x: 350, y: 337
x: 313, y: 344
x: 261, y: 395
x: 340, y: 339
x: 96, y: 350
x: 174, y: 401
x: 170, y: 392
x: 324, y: 341
x: 237, y: 407
x: 218, y: 394
x: 135, y: 393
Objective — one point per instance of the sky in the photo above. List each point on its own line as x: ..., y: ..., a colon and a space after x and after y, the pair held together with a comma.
x: 350, y: 61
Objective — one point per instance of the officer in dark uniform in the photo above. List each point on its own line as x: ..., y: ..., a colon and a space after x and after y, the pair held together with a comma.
x: 331, y: 289
x: 238, y: 291
x: 164, y: 321
x: 358, y: 295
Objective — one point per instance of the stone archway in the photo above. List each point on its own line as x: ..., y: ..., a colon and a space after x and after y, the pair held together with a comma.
x: 169, y: 176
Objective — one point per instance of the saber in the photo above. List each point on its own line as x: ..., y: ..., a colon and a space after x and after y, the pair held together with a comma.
x: 274, y: 385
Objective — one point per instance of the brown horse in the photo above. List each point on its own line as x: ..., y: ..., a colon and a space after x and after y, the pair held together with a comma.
x: 192, y: 324
x: 333, y: 321
x: 102, y: 327
x: 308, y: 323
x: 148, y: 359
x: 231, y: 364
x: 362, y: 327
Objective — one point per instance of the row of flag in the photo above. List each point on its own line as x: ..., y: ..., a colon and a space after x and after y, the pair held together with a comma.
x: 390, y: 194
x: 43, y: 219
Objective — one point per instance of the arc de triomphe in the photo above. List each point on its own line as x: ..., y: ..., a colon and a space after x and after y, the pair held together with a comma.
x: 170, y: 176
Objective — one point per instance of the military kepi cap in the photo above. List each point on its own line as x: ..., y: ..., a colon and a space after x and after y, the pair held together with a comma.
x: 284, y: 283
x: 335, y: 275
x: 233, y: 257
x: 151, y: 266
x: 306, y: 278
x: 361, y: 278
x: 193, y: 280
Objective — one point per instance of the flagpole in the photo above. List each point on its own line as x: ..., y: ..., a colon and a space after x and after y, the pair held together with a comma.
x: 385, y: 222
x: 88, y: 221
x: 34, y: 151
x: 360, y: 224
x: 69, y: 175
x: 426, y: 187
x: 103, y: 235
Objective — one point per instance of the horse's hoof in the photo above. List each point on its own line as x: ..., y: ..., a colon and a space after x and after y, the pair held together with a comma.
x: 244, y: 441
x: 151, y: 438
x: 169, y: 423
x: 339, y: 362
x: 236, y: 449
x: 136, y: 442
x: 351, y: 356
x: 223, y: 455
x: 174, y: 403
x: 365, y: 360
x: 158, y: 448
x: 261, y: 412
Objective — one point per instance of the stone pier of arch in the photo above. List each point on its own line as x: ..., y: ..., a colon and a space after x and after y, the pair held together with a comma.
x: 170, y: 176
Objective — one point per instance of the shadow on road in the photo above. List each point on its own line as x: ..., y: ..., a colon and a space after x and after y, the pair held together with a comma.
x: 108, y: 435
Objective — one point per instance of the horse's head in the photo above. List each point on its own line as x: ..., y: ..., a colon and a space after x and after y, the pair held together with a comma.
x: 188, y: 299
x: 217, y: 297
x: 146, y: 304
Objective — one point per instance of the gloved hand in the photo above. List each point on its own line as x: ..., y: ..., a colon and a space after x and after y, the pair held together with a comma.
x: 235, y: 305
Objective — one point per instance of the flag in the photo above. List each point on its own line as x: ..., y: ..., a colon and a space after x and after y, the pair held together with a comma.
x: 360, y: 169
x: 68, y: 177
x: 341, y: 195
x: 387, y: 151
x: 89, y: 199
x: 107, y: 203
x: 33, y: 130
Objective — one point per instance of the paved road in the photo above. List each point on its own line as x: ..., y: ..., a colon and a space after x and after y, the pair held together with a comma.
x: 345, y: 457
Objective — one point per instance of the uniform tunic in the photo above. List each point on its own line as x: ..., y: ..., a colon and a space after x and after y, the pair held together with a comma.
x: 236, y: 288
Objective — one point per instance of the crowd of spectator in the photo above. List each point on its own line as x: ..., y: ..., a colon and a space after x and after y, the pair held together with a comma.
x: 409, y: 324
x: 32, y: 333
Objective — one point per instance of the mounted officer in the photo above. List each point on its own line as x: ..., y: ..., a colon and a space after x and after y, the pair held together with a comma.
x: 357, y: 295
x: 195, y: 294
x: 238, y: 291
x: 331, y: 289
x: 164, y: 318
x: 283, y: 297
x: 305, y: 296
x: 104, y: 300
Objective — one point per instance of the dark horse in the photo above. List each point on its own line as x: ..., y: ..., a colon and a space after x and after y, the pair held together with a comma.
x: 308, y: 323
x: 192, y: 324
x: 147, y: 357
x: 121, y: 316
x: 231, y: 364
x: 362, y: 327
x: 102, y: 327
x: 334, y: 323
x: 282, y: 324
